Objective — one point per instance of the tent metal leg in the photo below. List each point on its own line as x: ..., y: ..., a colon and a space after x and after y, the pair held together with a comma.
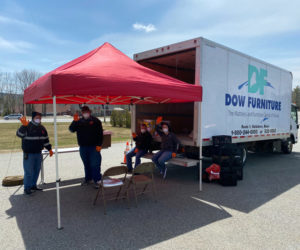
x: 200, y: 145
x: 56, y: 165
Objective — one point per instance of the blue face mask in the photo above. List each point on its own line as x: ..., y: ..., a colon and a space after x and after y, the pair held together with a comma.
x: 86, y: 115
x: 165, y: 130
x: 38, y: 121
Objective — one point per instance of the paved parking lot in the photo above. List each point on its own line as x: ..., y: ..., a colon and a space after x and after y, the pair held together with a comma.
x: 262, y: 212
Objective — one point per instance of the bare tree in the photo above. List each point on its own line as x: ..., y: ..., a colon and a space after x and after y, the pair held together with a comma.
x: 24, y: 78
x: 9, y: 90
x: 2, y: 93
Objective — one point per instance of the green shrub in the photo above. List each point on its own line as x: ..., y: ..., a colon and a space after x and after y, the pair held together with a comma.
x: 127, y: 119
x: 120, y: 118
x: 113, y: 118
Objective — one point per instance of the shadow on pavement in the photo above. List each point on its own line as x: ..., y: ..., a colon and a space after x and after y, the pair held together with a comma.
x: 266, y: 176
x: 85, y: 225
x: 180, y: 208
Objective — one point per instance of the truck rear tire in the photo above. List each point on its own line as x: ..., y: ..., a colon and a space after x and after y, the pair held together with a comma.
x: 243, y: 155
x: 287, y: 146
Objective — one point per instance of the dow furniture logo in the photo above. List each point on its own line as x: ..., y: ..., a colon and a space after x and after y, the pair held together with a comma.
x: 256, y: 87
x: 256, y: 80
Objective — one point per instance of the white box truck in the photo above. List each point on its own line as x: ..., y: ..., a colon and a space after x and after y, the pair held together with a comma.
x: 243, y: 97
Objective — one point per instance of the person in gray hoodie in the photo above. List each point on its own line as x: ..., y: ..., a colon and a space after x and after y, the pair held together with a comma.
x: 169, y: 146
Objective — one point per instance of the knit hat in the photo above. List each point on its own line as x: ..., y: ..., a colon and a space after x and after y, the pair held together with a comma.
x: 34, y: 114
x: 85, y: 109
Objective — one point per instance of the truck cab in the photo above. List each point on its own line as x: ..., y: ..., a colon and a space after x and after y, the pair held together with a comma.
x: 294, y: 123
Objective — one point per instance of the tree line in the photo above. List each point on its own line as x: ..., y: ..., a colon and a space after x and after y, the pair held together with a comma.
x: 12, y: 86
x: 296, y: 96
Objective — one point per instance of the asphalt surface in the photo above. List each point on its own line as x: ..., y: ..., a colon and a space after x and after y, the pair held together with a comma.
x: 262, y: 212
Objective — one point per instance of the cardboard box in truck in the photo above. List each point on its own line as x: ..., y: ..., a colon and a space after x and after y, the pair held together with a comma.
x: 243, y: 97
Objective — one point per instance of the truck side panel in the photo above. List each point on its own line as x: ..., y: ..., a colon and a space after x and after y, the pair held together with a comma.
x: 243, y: 97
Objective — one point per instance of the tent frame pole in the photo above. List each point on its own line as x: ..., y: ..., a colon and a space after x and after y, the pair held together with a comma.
x: 59, y: 227
x: 200, y: 144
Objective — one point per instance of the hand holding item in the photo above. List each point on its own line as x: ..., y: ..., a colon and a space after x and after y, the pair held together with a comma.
x: 50, y: 152
x: 159, y: 120
x: 136, y: 150
x: 76, y: 117
x: 173, y: 155
x: 24, y: 121
x: 133, y: 135
x: 98, y: 148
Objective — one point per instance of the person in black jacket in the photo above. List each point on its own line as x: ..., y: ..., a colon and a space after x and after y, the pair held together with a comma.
x: 169, y: 146
x: 89, y: 137
x: 143, y: 143
x: 34, y: 139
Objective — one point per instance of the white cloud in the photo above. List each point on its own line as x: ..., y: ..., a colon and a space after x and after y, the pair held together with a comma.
x: 32, y: 30
x: 15, y: 46
x: 147, y: 28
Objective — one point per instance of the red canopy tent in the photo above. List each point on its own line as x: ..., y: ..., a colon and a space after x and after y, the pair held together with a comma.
x: 107, y: 76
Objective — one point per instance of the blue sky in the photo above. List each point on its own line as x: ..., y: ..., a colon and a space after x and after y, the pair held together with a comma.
x: 43, y: 35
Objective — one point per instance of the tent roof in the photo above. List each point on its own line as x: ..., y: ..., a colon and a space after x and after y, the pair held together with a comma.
x: 107, y: 76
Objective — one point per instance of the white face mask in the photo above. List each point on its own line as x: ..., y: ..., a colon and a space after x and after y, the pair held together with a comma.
x: 149, y: 129
x: 143, y: 131
x: 165, y: 130
x: 86, y: 115
x: 38, y: 121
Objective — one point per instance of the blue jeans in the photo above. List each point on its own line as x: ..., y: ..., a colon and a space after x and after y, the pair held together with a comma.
x: 92, y: 162
x: 137, y: 155
x: 32, y: 167
x: 160, y: 158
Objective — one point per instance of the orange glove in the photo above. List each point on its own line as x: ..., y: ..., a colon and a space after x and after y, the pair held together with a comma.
x: 133, y: 135
x: 50, y: 152
x: 159, y: 120
x: 98, y: 148
x: 76, y: 117
x: 173, y: 155
x: 136, y: 150
x: 24, y: 121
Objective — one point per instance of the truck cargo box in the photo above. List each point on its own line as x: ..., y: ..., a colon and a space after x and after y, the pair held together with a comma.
x: 243, y: 97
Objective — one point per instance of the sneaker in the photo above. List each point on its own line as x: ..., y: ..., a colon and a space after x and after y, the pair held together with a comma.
x: 36, y: 189
x: 129, y: 171
x: 86, y: 183
x: 27, y: 191
x: 165, y: 173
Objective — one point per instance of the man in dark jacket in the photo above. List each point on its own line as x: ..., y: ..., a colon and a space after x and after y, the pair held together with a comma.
x: 169, y: 146
x: 34, y: 139
x: 143, y: 143
x: 89, y: 137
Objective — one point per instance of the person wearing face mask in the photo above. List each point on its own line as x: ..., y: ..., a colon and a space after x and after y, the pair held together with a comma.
x: 143, y: 143
x: 169, y: 146
x: 34, y: 138
x: 89, y: 137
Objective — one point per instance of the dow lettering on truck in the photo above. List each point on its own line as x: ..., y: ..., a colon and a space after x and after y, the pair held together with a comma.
x: 252, y: 102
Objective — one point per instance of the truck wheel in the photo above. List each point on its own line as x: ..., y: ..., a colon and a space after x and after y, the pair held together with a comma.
x: 287, y: 146
x: 243, y: 155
